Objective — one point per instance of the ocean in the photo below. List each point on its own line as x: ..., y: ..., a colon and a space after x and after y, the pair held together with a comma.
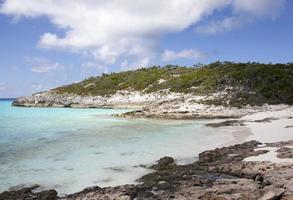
x: 71, y: 149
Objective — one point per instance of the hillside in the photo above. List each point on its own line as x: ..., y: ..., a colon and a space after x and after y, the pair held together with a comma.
x: 244, y: 83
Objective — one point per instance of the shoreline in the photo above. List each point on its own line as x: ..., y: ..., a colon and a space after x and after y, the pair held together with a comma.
x: 162, y: 104
x: 223, y: 173
x: 241, y: 133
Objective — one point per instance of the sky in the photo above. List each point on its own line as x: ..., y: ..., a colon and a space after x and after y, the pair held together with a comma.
x: 49, y: 43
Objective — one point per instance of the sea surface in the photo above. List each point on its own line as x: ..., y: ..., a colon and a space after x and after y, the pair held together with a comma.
x: 70, y: 149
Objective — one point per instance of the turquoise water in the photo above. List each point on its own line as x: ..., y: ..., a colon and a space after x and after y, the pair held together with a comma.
x: 70, y: 149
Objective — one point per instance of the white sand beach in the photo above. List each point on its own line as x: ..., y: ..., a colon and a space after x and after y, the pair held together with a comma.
x: 279, y: 128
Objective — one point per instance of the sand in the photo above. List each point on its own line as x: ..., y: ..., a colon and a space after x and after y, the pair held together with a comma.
x: 276, y: 130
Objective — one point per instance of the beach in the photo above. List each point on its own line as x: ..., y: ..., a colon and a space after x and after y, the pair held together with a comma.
x: 265, y: 127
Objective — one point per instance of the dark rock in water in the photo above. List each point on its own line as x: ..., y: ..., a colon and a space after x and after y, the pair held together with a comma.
x: 219, y: 174
x: 47, y: 195
x: 85, y: 191
x: 239, y: 122
x: 266, y: 120
x: 280, y: 144
x: 285, y: 152
x: 227, y: 123
x: 163, y: 163
x: 28, y: 194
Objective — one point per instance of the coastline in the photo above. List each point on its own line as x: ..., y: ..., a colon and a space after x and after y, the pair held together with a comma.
x: 253, y: 127
x: 224, y: 173
x: 156, y: 105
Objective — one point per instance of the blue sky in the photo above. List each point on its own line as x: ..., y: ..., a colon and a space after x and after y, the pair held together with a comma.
x: 43, y: 46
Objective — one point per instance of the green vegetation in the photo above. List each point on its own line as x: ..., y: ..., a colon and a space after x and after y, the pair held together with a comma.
x: 246, y: 83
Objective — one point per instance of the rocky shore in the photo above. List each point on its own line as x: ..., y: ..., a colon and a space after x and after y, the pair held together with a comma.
x: 191, y: 110
x: 121, y: 99
x: 219, y: 174
x: 163, y: 104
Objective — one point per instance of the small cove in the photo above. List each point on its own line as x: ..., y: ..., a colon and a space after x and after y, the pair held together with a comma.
x: 70, y: 149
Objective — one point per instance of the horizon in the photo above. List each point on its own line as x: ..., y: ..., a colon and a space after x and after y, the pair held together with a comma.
x: 43, y: 46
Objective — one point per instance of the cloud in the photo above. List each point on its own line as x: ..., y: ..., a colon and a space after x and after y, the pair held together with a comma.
x: 144, y: 62
x: 109, y: 30
x: 88, y: 66
x: 221, y: 26
x: 192, y: 54
x: 244, y: 12
x: 259, y: 8
x: 43, y: 65
x: 112, y: 30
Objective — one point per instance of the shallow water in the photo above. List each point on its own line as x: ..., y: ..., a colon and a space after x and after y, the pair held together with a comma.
x: 70, y: 149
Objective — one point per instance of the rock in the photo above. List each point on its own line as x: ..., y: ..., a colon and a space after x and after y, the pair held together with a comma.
x: 47, y: 195
x: 28, y: 194
x: 288, y: 126
x: 164, y: 163
x: 227, y: 123
x: 271, y: 193
x: 161, y: 104
x: 285, y: 152
x: 85, y: 191
x: 280, y: 144
x: 215, y: 176
x: 212, y: 197
x: 239, y: 152
x: 266, y: 120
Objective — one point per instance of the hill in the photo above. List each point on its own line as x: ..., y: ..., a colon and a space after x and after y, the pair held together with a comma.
x: 244, y: 83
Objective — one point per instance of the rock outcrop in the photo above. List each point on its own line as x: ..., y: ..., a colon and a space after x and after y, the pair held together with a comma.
x: 162, y: 104
x: 190, y: 109
x: 29, y: 194
x: 121, y: 99
x: 219, y: 174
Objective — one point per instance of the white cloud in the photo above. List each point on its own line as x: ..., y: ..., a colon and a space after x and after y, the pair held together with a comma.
x: 121, y: 29
x: 88, y: 66
x: 143, y: 62
x: 221, y: 26
x: 43, y: 65
x: 260, y: 8
x: 193, y: 54
x: 244, y: 12
x: 112, y: 29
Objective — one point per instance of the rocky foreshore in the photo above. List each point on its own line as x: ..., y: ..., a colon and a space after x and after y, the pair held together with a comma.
x: 191, y: 110
x: 121, y: 99
x: 220, y: 174
x: 163, y: 104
